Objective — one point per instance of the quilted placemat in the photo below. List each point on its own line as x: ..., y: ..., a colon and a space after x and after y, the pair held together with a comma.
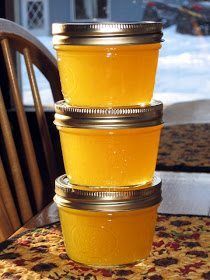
x: 181, y: 250
x: 185, y: 148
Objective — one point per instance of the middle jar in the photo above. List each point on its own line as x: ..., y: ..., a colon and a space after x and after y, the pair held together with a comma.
x: 107, y: 228
x: 109, y: 148
x: 107, y: 64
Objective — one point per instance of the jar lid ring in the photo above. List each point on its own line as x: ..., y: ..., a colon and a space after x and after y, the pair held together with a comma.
x: 97, y: 200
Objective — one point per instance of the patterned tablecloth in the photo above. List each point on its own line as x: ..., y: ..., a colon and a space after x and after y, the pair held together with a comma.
x: 185, y: 148
x: 181, y: 250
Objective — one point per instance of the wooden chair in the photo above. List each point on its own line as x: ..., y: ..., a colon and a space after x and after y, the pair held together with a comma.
x: 15, y: 207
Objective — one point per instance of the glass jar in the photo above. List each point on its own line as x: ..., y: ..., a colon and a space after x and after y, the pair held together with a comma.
x: 107, y: 229
x: 107, y: 64
x: 109, y: 148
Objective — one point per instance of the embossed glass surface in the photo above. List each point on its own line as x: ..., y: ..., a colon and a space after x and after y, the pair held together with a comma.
x: 107, y: 75
x: 108, y: 157
x: 106, y: 238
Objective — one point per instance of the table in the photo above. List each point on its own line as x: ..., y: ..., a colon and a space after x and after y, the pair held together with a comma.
x: 47, y: 216
x: 181, y: 194
x: 180, y: 248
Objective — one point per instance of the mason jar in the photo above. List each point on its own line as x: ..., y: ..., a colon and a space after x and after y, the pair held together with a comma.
x: 107, y: 228
x: 107, y: 64
x: 109, y: 148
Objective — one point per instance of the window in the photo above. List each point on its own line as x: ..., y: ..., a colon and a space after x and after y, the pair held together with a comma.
x: 35, y: 16
x: 35, y: 12
x: 90, y: 10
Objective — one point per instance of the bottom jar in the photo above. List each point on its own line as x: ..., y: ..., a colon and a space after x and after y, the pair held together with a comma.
x: 107, y: 229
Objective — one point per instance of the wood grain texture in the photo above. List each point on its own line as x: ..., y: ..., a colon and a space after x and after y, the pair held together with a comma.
x: 14, y: 163
x: 42, y: 122
x: 8, y: 200
x: 20, y: 39
x: 7, y: 229
x: 47, y: 216
x: 23, y: 125
x: 15, y: 39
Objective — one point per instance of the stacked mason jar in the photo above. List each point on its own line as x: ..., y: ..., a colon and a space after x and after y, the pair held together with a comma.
x: 109, y: 130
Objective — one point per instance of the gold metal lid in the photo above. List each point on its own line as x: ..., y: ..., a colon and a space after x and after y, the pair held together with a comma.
x: 98, y: 200
x: 108, y: 118
x: 107, y: 33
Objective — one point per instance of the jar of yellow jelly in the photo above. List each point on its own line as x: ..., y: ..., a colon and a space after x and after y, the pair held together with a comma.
x: 107, y: 64
x: 110, y: 148
x: 107, y: 228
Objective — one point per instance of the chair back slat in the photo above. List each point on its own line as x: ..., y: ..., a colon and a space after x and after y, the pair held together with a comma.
x: 7, y: 229
x: 41, y: 119
x: 24, y: 129
x: 30, y: 167
x: 8, y: 200
x: 17, y: 176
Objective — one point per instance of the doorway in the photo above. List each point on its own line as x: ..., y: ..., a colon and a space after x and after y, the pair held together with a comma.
x: 90, y: 10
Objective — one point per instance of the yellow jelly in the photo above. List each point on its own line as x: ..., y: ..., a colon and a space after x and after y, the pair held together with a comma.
x: 110, y: 157
x: 105, y: 76
x: 108, y: 238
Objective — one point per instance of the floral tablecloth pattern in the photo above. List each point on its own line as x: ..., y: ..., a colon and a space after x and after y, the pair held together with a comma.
x: 185, y: 147
x: 181, y: 250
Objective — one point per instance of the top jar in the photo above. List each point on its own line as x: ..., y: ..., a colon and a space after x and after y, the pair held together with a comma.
x: 107, y: 64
